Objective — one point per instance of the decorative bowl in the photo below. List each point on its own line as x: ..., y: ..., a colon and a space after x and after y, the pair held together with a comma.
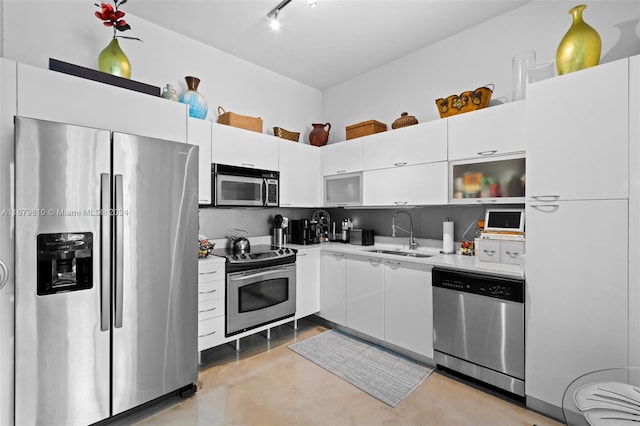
x: 465, y: 102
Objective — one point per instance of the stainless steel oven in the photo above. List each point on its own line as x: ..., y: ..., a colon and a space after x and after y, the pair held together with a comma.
x: 260, y: 286
x: 260, y: 296
x: 478, y: 327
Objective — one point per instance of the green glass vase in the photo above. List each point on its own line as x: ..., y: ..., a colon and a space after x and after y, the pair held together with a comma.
x: 112, y: 60
x: 580, y: 47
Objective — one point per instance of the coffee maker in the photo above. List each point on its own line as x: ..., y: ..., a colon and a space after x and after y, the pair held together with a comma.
x: 302, y: 232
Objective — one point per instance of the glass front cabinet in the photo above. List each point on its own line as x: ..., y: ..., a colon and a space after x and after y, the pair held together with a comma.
x: 343, y: 190
x: 495, y: 179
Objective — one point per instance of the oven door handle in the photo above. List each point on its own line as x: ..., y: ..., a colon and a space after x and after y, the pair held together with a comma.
x: 259, y: 274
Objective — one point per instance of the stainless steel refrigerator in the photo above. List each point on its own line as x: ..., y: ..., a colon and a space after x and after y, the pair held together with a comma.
x: 105, y: 271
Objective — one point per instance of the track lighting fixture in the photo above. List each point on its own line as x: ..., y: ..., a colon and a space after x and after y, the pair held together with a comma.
x: 273, y: 14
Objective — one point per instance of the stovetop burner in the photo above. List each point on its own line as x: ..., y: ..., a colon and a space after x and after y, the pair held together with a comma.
x: 264, y: 254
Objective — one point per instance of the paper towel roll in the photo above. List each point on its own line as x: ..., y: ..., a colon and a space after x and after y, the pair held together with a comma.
x: 447, y: 237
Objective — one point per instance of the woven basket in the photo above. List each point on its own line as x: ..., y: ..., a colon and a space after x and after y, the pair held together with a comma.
x: 285, y: 134
x: 465, y: 102
x: 365, y: 128
x: 241, y: 121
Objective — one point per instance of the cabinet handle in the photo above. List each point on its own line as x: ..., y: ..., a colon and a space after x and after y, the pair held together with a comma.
x: 401, y: 203
x: 301, y: 254
x: 209, y: 310
x: 341, y: 171
x: 341, y: 204
x: 487, y: 153
x: 248, y: 165
x: 546, y: 208
x: 513, y: 254
x: 207, y: 292
x: 547, y: 198
x: 489, y: 252
x: 486, y: 200
x: 285, y: 204
x: 404, y: 163
x: 336, y: 255
x: 208, y: 334
x: 375, y: 262
x: 208, y: 273
x: 393, y: 263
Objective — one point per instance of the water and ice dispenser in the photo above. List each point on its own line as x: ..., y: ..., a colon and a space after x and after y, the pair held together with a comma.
x: 65, y: 262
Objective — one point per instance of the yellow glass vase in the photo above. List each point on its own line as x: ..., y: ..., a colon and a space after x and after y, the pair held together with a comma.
x: 580, y: 47
x: 112, y: 60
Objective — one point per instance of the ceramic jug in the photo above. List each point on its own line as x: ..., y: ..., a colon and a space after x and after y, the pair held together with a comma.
x: 319, y: 136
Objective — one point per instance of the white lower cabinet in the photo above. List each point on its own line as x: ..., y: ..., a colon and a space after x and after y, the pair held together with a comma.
x: 365, y: 295
x: 577, y: 293
x: 408, y: 306
x: 388, y: 300
x: 333, y: 287
x: 307, y: 283
x: 211, y: 303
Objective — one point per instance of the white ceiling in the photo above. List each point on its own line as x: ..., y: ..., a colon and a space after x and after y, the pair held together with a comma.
x: 325, y: 45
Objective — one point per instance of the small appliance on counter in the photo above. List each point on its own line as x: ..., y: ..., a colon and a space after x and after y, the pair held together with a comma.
x: 279, y: 225
x: 360, y: 237
x: 302, y: 232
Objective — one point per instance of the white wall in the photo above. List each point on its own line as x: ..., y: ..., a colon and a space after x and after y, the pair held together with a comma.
x: 67, y: 30
x: 473, y: 58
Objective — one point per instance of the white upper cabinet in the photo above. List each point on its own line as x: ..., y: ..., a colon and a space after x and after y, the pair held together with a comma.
x: 419, y: 184
x: 490, y: 131
x: 199, y: 133
x: 577, y: 135
x: 342, y: 157
x: 244, y: 148
x: 300, y: 174
x: 420, y: 143
x: 54, y: 96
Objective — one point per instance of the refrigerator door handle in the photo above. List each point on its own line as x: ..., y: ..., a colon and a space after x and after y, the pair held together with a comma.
x: 105, y: 267
x: 119, y: 255
x: 4, y: 274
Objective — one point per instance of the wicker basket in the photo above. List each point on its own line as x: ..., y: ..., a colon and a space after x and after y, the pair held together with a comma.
x: 285, y: 134
x: 465, y: 102
x: 241, y: 121
x: 365, y: 128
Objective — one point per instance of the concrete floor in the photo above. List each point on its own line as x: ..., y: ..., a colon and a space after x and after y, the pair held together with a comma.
x: 268, y: 384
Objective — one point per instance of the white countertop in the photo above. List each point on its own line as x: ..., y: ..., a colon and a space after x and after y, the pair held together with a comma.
x: 438, y: 259
x: 448, y: 261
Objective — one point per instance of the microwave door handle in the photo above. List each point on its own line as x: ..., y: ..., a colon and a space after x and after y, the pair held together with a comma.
x: 264, y: 192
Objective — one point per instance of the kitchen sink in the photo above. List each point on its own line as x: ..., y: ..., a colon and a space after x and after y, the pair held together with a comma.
x: 400, y: 253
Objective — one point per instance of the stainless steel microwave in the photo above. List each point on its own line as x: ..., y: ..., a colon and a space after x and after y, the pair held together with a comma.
x: 235, y: 186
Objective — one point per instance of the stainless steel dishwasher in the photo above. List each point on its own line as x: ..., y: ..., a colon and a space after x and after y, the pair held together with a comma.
x: 478, y: 327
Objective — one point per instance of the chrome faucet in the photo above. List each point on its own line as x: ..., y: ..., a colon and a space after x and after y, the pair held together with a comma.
x: 412, y: 242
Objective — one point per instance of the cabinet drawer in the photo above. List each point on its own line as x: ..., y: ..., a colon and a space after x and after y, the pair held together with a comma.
x: 210, y: 290
x: 210, y: 308
x: 511, y: 252
x: 208, y: 271
x: 489, y: 250
x: 210, y: 333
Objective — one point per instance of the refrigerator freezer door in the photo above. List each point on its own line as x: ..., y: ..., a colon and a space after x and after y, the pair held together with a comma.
x: 62, y: 355
x: 156, y: 201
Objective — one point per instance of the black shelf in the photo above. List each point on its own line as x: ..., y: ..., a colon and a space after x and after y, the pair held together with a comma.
x: 90, y: 74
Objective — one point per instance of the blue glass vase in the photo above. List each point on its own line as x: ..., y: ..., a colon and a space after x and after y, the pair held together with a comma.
x: 197, y: 103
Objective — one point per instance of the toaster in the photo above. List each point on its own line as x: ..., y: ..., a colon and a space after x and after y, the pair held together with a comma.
x: 361, y: 237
